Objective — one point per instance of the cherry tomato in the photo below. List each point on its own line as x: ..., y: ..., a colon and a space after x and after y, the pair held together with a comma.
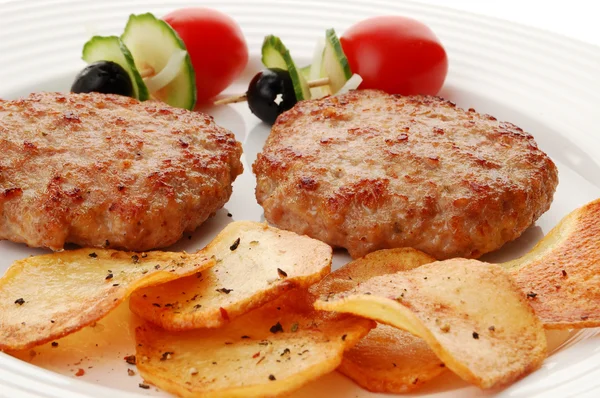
x: 216, y: 46
x: 396, y: 54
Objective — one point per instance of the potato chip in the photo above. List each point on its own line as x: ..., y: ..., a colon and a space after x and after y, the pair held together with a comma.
x: 470, y: 313
x: 270, y: 351
x: 391, y: 360
x: 387, y: 359
x: 255, y: 265
x: 46, y: 297
x: 560, y: 276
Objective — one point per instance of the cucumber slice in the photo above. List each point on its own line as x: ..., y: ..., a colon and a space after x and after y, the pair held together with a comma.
x: 111, y: 48
x: 305, y: 71
x: 153, y: 43
x: 276, y: 55
x: 317, y: 71
x: 335, y: 64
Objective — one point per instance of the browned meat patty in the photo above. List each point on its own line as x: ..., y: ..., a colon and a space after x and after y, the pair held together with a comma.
x: 368, y: 171
x: 105, y: 170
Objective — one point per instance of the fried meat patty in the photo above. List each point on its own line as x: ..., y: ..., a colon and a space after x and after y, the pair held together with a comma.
x: 368, y: 171
x: 108, y: 171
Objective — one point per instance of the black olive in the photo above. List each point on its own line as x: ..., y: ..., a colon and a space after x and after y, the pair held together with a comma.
x: 103, y: 77
x: 270, y: 93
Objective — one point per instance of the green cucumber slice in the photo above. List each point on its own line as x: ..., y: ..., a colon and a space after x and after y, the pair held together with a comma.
x: 335, y: 64
x: 111, y: 48
x: 276, y: 55
x: 153, y: 43
x: 305, y: 71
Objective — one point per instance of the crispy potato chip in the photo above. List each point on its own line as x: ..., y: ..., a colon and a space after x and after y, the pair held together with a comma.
x: 255, y: 264
x: 391, y: 360
x: 387, y: 359
x: 46, y: 297
x: 270, y: 351
x: 561, y: 275
x: 470, y: 313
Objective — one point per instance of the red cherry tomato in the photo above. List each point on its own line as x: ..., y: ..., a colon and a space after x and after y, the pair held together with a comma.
x: 396, y: 54
x: 216, y: 46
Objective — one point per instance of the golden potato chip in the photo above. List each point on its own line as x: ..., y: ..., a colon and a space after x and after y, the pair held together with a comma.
x: 46, y: 297
x: 387, y: 359
x: 391, y: 360
x: 255, y: 265
x: 270, y: 351
x: 560, y: 276
x: 470, y: 313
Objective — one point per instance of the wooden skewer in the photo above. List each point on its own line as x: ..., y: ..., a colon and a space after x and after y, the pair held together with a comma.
x: 243, y: 97
x: 146, y: 71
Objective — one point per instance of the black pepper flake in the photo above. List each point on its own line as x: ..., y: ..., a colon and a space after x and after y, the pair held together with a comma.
x: 106, y: 243
x: 224, y: 290
x: 415, y: 381
x: 197, y: 306
x: 93, y: 255
x: 235, y: 244
x: 564, y: 273
x: 286, y: 351
x: 156, y: 305
x: 109, y: 277
x: 214, y: 363
x: 135, y: 258
x: 51, y: 320
x: 166, y: 355
x: 492, y: 328
x: 115, y: 284
x: 476, y: 335
x: 272, y: 378
x: 531, y: 295
x: 144, y: 386
x: 281, y: 273
x: 344, y: 337
x: 277, y: 328
x: 245, y: 337
x: 295, y: 327
x: 20, y: 301
x: 157, y: 266
x: 368, y: 293
x: 130, y: 359
x: 54, y: 344
x: 229, y: 215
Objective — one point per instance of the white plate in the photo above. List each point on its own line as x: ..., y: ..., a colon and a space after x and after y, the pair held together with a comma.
x: 544, y: 83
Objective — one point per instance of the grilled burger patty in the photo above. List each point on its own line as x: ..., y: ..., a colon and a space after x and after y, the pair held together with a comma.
x: 105, y: 170
x: 367, y: 171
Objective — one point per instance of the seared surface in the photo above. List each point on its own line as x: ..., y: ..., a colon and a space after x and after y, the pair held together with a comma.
x: 368, y: 171
x: 106, y: 170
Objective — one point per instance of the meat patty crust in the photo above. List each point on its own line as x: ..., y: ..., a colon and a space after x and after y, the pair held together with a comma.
x: 369, y: 171
x: 108, y: 171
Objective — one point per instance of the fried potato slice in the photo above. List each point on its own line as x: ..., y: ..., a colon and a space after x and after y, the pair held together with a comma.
x: 470, y: 313
x: 255, y: 265
x: 46, y: 297
x: 560, y: 276
x: 270, y: 351
x: 387, y: 359
x: 391, y: 360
